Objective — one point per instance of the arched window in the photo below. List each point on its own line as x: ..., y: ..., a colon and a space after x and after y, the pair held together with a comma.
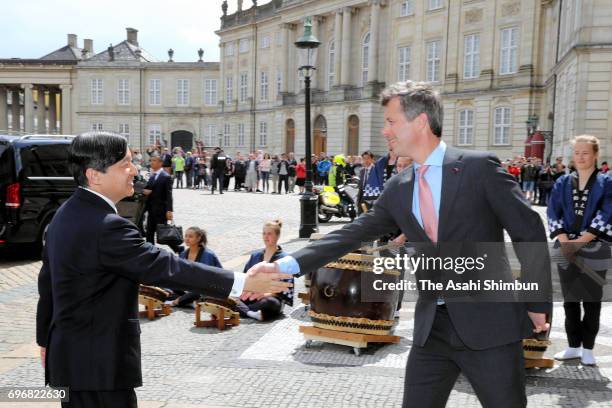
x: 365, y: 46
x: 331, y: 65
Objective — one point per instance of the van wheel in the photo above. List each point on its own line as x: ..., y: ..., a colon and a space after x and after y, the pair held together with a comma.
x: 42, y: 239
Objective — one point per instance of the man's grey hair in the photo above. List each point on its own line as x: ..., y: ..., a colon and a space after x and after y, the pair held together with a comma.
x: 417, y: 98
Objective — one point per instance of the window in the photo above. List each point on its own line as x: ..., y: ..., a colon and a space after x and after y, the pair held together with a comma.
x: 263, y: 133
x: 211, y: 134
x: 244, y: 82
x: 502, y: 126
x: 263, y: 87
x: 229, y: 49
x: 124, y: 129
x: 404, y: 64
x: 226, y: 135
x: 279, y: 81
x: 331, y: 69
x: 434, y: 4
x: 365, y: 46
x: 509, y: 51
x: 241, y: 135
x: 155, y: 92
x: 210, y: 92
x: 407, y: 8
x: 97, y: 97
x: 433, y: 61
x: 278, y: 38
x: 466, y: 127
x: 265, y: 41
x: 155, y: 134
x: 244, y: 45
x: 229, y: 89
x: 471, y: 56
x: 96, y: 126
x: 182, y: 92
x: 123, y: 92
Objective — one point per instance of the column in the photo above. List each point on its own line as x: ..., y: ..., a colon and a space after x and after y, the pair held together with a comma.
x: 373, y: 53
x: 315, y: 31
x: 3, y: 111
x: 52, y: 111
x: 285, y: 63
x: 66, y: 109
x: 28, y: 108
x: 16, y: 111
x: 346, y: 46
x: 337, y: 45
x: 40, y: 111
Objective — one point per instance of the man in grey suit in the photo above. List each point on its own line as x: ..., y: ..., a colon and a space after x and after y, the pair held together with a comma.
x: 448, y: 203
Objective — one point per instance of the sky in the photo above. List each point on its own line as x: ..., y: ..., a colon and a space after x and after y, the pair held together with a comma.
x: 33, y: 28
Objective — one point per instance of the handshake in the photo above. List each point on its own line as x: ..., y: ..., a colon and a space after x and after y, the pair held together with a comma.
x: 264, y: 279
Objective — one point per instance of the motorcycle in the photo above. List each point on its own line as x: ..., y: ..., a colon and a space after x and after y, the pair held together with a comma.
x: 340, y: 202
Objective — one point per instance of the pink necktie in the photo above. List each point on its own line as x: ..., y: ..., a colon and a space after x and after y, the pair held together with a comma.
x: 426, y: 205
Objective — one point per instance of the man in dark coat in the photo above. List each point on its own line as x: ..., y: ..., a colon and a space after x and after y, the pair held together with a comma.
x: 87, y: 316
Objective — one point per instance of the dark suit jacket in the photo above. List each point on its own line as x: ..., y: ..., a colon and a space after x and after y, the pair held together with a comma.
x: 479, y: 200
x: 87, y: 315
x: 160, y: 199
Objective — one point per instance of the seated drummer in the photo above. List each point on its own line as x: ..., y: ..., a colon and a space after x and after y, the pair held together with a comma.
x: 195, y: 250
x: 266, y: 306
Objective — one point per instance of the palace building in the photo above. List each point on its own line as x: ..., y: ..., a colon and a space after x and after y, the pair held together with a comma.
x: 510, y: 71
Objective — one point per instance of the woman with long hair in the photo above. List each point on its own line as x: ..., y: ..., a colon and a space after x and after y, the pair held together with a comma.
x: 196, y: 251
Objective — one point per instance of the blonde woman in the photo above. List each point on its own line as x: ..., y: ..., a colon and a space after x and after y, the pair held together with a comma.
x: 580, y: 219
x: 267, y: 306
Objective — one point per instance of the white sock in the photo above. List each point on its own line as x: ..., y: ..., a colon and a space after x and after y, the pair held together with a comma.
x: 255, y: 315
x: 587, y: 357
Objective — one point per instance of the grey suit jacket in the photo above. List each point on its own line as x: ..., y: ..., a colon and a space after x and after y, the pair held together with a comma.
x: 479, y: 200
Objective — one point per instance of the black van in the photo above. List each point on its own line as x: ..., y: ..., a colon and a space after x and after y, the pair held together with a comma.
x: 35, y: 181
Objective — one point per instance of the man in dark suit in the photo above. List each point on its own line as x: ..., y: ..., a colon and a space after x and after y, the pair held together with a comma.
x: 87, y: 317
x: 159, y: 197
x: 218, y: 166
x: 450, y: 204
x: 367, y: 168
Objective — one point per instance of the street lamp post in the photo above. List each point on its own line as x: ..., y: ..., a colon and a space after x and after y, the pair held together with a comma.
x: 307, y: 50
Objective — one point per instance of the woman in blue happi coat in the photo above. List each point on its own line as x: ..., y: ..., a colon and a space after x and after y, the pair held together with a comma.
x: 580, y: 219
x: 196, y: 251
x: 266, y: 306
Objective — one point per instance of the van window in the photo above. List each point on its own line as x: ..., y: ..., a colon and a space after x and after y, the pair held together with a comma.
x: 48, y: 160
x: 6, y: 162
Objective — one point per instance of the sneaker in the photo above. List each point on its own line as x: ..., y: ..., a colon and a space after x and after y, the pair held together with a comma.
x: 569, y: 353
x: 587, y: 358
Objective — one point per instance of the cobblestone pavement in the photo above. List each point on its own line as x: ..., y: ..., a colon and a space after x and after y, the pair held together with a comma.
x: 267, y: 364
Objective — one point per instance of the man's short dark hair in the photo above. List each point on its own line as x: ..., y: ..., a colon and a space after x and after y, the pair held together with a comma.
x: 95, y: 150
x: 417, y: 98
x: 368, y: 153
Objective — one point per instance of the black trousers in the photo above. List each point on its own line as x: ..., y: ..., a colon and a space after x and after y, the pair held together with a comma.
x: 217, y: 176
x: 178, y: 175
x: 270, y: 307
x: 580, y: 289
x: 101, y: 399
x: 239, y: 181
x: 283, y: 179
x: 582, y: 331
x: 496, y: 374
x: 152, y: 221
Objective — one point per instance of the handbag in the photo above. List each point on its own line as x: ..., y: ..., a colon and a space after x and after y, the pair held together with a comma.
x: 169, y: 234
